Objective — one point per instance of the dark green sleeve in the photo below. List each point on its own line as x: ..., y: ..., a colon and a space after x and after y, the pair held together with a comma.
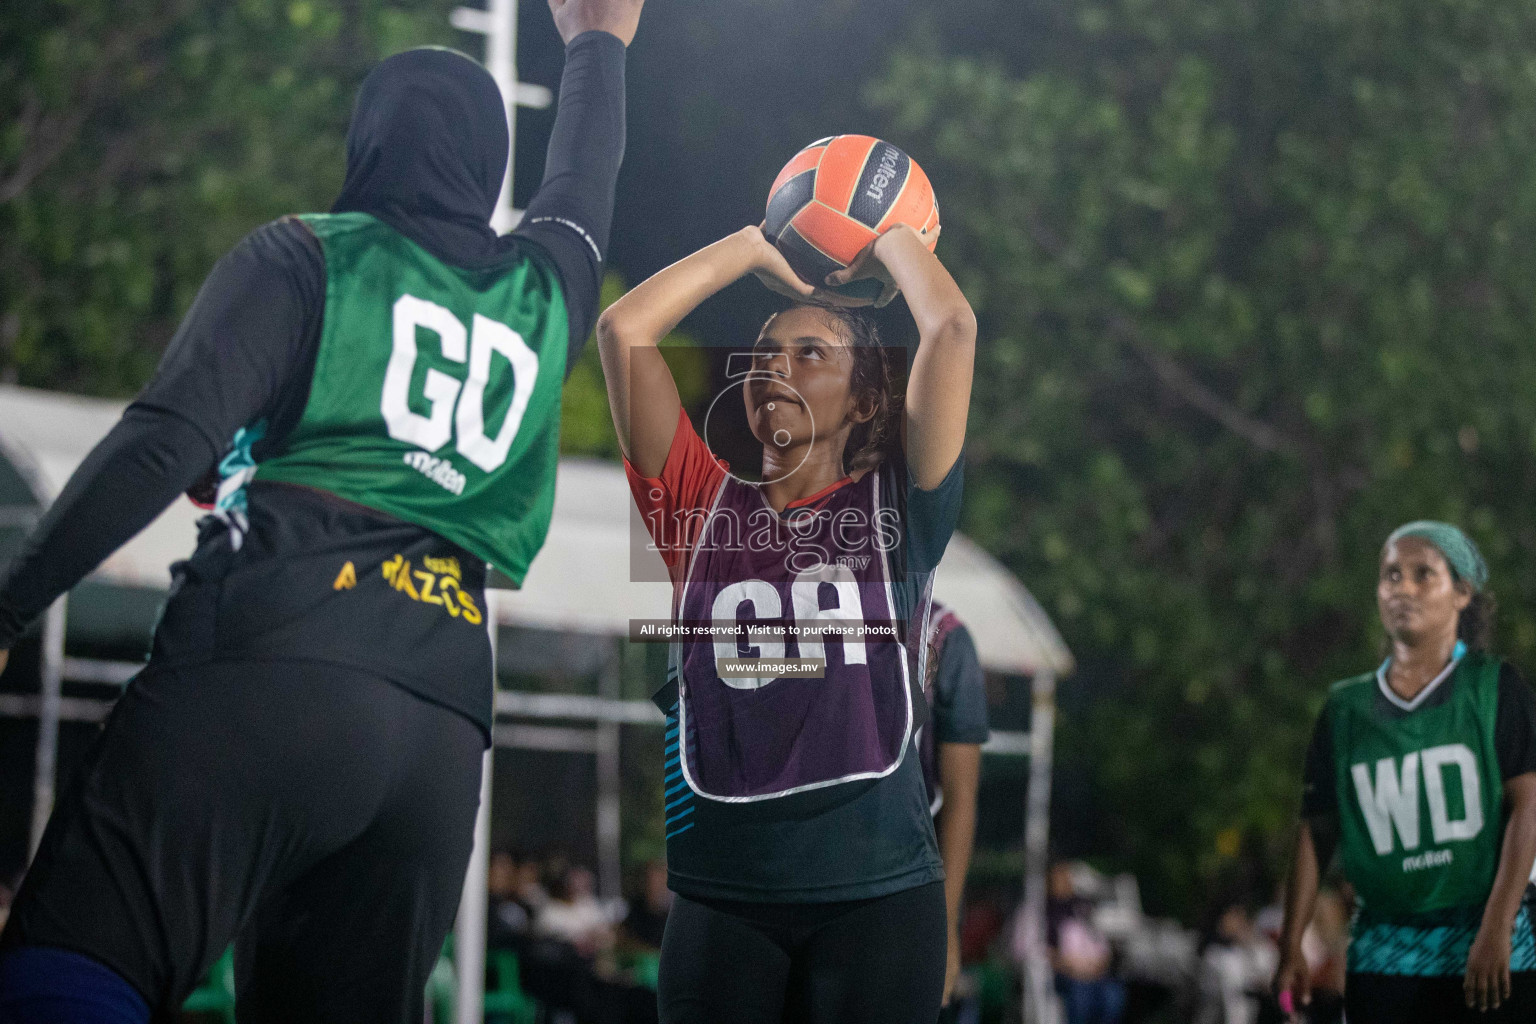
x: 960, y: 692
x: 931, y: 517
x: 1319, y: 795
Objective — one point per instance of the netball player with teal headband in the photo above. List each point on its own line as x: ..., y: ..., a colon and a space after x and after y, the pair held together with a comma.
x: 1423, y: 775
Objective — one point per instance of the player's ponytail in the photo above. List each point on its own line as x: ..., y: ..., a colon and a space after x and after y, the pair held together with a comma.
x: 1474, y: 626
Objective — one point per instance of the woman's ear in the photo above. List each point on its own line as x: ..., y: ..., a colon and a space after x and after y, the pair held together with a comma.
x: 864, y: 409
x: 1463, y: 595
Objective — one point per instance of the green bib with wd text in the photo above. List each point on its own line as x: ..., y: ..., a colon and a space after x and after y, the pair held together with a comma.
x: 1420, y: 793
x: 436, y: 391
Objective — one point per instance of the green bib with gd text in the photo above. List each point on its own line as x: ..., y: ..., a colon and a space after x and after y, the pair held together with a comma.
x: 1420, y: 793
x: 436, y: 391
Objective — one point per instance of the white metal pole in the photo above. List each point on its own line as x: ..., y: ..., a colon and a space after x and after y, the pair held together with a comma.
x: 52, y: 694
x: 609, y: 852
x: 498, y: 23
x: 501, y: 59
x: 469, y: 928
x: 1039, y: 1006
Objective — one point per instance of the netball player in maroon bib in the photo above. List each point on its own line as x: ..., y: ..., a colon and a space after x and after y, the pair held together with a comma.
x: 798, y: 836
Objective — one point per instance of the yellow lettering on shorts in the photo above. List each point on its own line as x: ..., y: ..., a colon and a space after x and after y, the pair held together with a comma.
x: 403, y: 580
x: 440, y: 584
x: 471, y: 611
x: 346, y: 579
x: 448, y: 587
x: 444, y: 566
x: 427, y: 580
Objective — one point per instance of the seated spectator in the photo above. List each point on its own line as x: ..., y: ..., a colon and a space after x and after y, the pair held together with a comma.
x: 1080, y: 955
x: 573, y: 915
x: 646, y: 921
x: 529, y: 887
x: 507, y: 921
x: 1236, y: 963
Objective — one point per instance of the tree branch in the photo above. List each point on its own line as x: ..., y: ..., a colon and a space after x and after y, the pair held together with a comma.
x: 1173, y: 377
x: 1183, y: 385
x: 45, y: 136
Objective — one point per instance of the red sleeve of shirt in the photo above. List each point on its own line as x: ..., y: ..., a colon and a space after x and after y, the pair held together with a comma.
x: 675, y: 504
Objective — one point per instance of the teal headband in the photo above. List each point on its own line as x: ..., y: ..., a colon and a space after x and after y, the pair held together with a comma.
x: 1459, y: 551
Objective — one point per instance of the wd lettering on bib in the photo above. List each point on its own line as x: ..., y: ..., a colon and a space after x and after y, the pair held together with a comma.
x: 436, y: 391
x: 1419, y: 792
x: 1394, y: 798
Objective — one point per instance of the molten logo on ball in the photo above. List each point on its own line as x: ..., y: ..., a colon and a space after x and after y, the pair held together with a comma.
x: 884, y: 173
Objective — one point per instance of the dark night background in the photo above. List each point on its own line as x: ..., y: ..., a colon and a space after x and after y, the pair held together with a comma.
x: 1253, y: 279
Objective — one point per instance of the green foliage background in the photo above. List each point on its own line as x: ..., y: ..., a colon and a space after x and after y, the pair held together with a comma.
x: 139, y: 140
x: 1255, y: 280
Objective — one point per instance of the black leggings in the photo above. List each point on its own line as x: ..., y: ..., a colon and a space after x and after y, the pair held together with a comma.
x: 1400, y: 999
x: 320, y: 817
x: 876, y: 961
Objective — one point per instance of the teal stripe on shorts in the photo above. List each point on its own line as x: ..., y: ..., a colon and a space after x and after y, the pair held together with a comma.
x: 1431, y: 945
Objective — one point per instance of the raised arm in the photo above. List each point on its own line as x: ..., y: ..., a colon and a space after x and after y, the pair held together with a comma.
x: 641, y: 392
x: 571, y: 214
x: 939, y: 388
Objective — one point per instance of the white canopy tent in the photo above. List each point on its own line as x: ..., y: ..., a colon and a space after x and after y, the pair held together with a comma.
x: 582, y: 583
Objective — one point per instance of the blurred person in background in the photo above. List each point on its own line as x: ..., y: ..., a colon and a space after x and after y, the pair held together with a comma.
x: 508, y: 919
x: 643, y: 926
x: 571, y: 931
x: 298, y: 766
x: 574, y: 916
x: 1236, y: 963
x: 1080, y: 955
x: 950, y: 746
x: 1423, y: 775
x: 530, y: 885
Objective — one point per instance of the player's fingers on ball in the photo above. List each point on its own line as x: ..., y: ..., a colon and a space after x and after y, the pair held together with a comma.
x: 839, y: 298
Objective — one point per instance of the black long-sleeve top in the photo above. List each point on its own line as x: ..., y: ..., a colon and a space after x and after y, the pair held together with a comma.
x: 246, y: 350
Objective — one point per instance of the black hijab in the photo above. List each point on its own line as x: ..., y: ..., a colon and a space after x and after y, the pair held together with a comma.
x: 426, y: 153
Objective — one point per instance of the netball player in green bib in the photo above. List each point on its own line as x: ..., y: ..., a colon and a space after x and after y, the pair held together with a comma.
x: 371, y: 400
x: 1422, y: 774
